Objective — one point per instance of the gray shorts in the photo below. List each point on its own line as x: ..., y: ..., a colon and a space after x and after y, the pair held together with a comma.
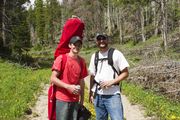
x: 66, y: 110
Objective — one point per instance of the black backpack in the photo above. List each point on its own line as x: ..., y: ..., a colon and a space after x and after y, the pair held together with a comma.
x: 110, y: 61
x: 83, y: 113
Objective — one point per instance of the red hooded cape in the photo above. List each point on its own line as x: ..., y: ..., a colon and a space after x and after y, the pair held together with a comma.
x: 72, y: 27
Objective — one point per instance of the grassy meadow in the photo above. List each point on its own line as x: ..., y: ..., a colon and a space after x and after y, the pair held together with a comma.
x: 19, y: 87
x: 154, y: 104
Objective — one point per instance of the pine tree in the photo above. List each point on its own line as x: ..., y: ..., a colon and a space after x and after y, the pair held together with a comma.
x: 16, y: 35
x: 52, y: 21
x: 40, y: 24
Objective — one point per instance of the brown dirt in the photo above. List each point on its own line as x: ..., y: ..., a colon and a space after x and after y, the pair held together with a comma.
x: 39, y: 111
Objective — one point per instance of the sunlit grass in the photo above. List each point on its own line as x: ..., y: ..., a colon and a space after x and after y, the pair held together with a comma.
x: 18, y: 89
x: 154, y: 104
x: 88, y: 105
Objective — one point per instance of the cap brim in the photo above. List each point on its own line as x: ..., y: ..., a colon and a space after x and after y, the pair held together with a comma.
x: 77, y: 41
x: 101, y: 37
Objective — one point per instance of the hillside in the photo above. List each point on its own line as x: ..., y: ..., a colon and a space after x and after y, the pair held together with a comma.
x: 155, y: 69
x: 155, y: 77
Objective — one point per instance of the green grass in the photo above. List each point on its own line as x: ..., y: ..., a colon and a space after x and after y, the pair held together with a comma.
x: 86, y: 54
x: 18, y: 89
x: 154, y: 104
x: 129, y: 46
x: 19, y: 86
x: 88, y: 105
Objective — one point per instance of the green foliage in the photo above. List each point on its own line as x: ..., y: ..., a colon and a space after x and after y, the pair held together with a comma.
x: 21, y: 39
x: 52, y: 22
x: 38, y: 47
x: 18, y: 87
x: 31, y: 16
x: 89, y: 105
x: 40, y: 23
x: 86, y: 53
x: 155, y: 104
x: 16, y: 28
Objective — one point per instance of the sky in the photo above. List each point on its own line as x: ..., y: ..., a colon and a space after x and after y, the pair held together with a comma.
x: 32, y: 1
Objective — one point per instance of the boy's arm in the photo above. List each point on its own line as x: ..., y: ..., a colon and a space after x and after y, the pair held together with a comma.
x: 59, y: 83
x: 82, y: 84
x: 90, y: 87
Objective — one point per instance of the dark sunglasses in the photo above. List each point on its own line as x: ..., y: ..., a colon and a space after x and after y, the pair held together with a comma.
x: 101, y: 38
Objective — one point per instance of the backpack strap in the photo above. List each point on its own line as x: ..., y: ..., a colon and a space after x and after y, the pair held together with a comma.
x: 81, y: 65
x: 96, y: 60
x: 64, y: 60
x: 63, y: 64
x: 110, y: 61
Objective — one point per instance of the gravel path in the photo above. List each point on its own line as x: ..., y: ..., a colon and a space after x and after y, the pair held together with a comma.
x: 39, y: 112
x: 133, y: 112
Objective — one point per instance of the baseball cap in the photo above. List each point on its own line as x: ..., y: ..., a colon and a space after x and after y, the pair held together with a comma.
x: 102, y: 36
x: 75, y: 39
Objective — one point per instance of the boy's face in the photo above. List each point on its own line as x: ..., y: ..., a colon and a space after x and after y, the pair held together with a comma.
x: 75, y: 47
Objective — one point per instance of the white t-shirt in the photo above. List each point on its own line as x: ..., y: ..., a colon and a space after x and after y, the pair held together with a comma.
x: 105, y: 71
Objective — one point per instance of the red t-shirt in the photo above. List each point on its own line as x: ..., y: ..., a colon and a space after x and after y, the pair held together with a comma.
x: 73, y: 72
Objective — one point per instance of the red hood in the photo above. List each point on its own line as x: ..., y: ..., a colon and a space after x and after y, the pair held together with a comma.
x: 72, y: 27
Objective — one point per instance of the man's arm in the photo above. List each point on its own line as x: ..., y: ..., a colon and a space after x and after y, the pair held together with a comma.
x: 59, y: 83
x: 124, y: 74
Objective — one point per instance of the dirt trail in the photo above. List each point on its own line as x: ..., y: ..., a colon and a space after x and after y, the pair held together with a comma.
x: 131, y: 112
x: 39, y: 111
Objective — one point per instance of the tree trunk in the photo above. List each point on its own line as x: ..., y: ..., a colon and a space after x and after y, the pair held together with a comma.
x: 178, y: 3
x: 147, y: 15
x: 155, y: 18
x: 108, y: 19
x: 164, y: 22
x: 3, y: 24
x: 142, y: 24
x: 32, y: 35
x: 120, y: 24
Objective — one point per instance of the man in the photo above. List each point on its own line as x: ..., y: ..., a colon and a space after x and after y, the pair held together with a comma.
x: 103, y: 84
x: 71, y: 86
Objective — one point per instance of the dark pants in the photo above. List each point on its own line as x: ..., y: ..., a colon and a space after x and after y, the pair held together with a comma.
x: 66, y: 110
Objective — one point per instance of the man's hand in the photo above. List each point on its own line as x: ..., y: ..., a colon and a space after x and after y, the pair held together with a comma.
x: 106, y: 84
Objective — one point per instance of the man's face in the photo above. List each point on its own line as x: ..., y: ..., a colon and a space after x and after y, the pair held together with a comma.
x: 75, y: 47
x: 102, y: 42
